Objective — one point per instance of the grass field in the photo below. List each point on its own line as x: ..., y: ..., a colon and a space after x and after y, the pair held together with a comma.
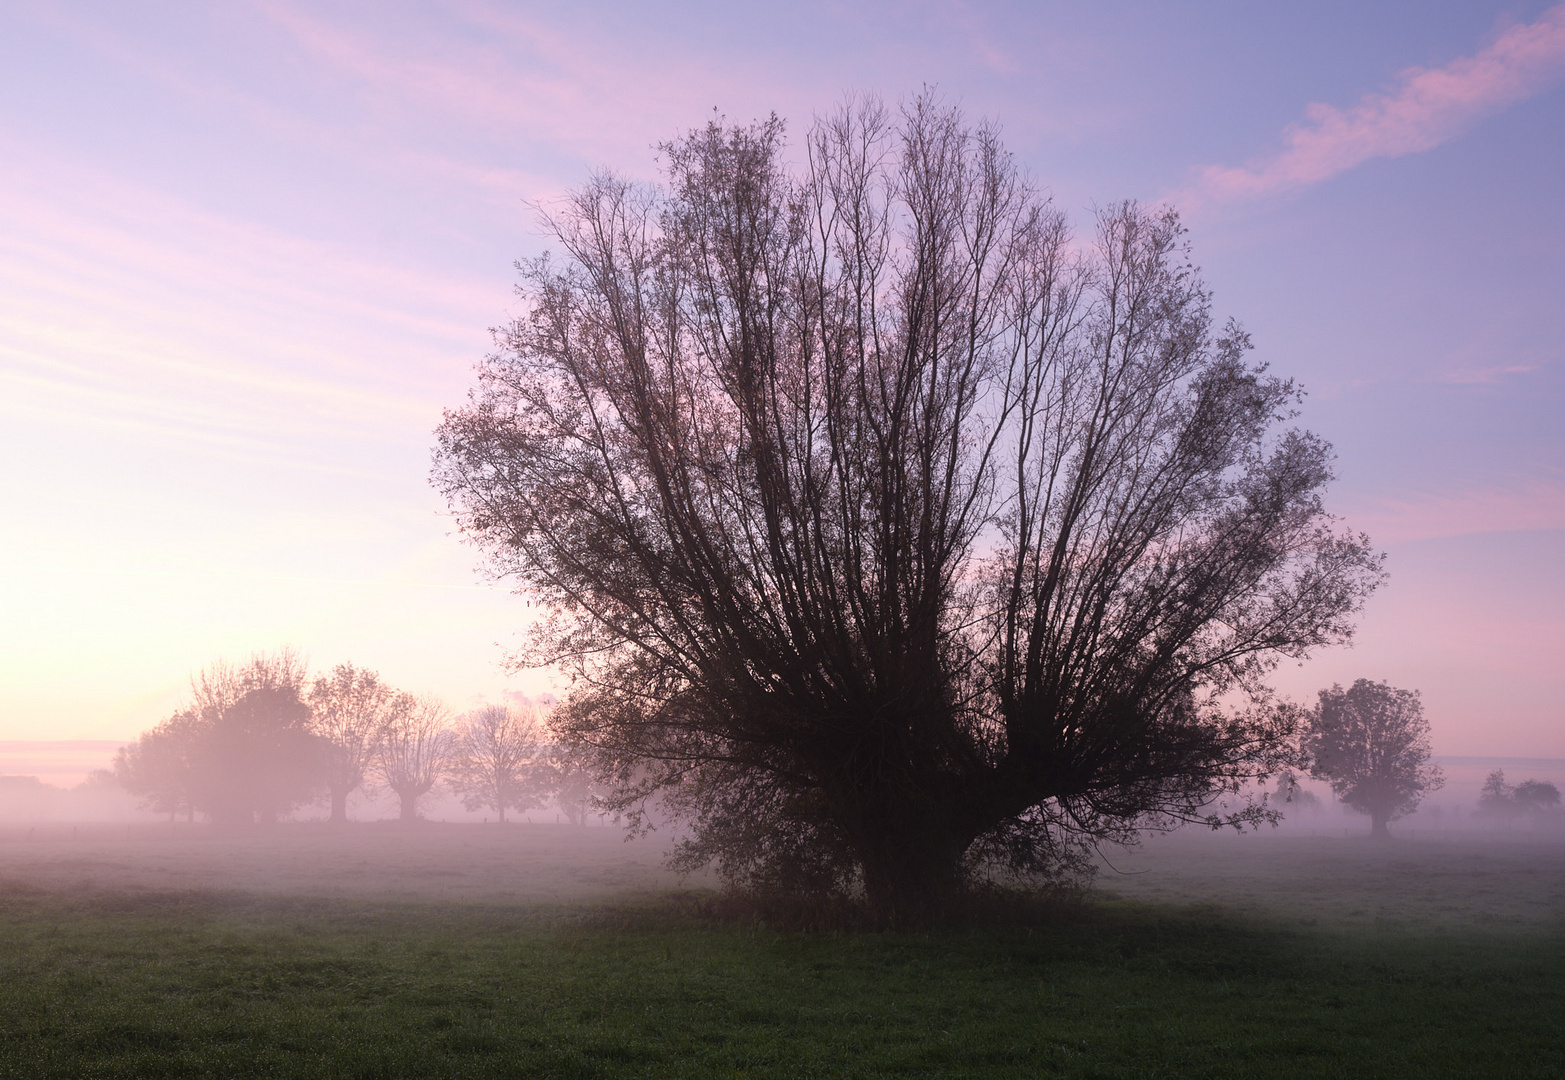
x: 561, y: 952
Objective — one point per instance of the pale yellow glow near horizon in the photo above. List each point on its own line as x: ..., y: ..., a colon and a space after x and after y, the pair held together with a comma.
x: 248, y: 253
x: 215, y: 443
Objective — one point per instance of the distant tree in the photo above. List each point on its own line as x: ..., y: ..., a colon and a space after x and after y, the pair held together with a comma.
x: 1496, y: 799
x: 890, y: 532
x: 24, y: 796
x: 158, y: 766
x: 1538, y: 800
x: 1296, y: 795
x: 566, y: 778
x: 494, y: 764
x: 259, y: 759
x: 415, y: 748
x: 348, y: 709
x: 242, y: 749
x: 1371, y: 742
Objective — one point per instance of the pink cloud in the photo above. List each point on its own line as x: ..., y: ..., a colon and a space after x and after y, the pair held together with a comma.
x: 1426, y: 107
x: 459, y: 87
x: 1528, y: 503
x: 602, y: 99
x: 1486, y: 375
x: 127, y: 309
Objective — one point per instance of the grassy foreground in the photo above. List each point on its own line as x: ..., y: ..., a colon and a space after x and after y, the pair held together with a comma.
x: 203, y: 985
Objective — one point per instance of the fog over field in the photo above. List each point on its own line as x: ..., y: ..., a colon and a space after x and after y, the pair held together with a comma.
x: 1446, y: 866
x: 516, y: 865
x: 1309, y: 871
x: 53, y: 781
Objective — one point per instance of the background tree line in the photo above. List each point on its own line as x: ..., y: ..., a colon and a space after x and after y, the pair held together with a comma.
x: 1536, y: 802
x: 257, y: 740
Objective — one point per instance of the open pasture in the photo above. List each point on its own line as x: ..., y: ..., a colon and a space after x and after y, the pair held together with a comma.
x: 1506, y: 881
x: 550, y: 951
x: 516, y: 864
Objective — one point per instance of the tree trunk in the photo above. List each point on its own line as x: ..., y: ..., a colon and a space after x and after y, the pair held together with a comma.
x: 339, y: 804
x: 912, y: 873
x: 1377, y: 828
x: 409, y: 805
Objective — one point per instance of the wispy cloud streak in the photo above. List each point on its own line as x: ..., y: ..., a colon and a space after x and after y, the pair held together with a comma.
x: 122, y: 308
x: 1426, y: 107
x: 1524, y: 504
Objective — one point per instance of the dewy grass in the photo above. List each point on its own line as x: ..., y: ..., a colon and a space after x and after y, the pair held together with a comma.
x: 203, y: 985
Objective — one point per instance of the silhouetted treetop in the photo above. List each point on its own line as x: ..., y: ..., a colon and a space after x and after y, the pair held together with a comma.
x: 888, y: 529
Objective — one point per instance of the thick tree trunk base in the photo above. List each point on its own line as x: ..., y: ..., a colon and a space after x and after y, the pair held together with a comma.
x: 912, y: 882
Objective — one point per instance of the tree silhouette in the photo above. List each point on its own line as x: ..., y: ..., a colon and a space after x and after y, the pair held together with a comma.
x: 414, y: 749
x: 888, y: 532
x: 1535, y: 799
x: 242, y: 749
x: 348, y: 709
x: 1371, y: 742
x: 157, y: 767
x: 494, y: 757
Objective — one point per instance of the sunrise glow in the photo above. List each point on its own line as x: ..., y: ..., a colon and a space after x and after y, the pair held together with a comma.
x: 249, y: 253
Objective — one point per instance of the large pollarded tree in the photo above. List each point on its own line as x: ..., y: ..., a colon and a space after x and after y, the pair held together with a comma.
x: 887, y: 530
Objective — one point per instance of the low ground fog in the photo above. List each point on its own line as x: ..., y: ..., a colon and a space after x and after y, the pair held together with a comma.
x: 1514, y: 879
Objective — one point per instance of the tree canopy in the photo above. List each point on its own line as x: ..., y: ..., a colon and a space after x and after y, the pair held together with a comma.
x: 349, y: 709
x: 242, y: 749
x: 889, y: 531
x: 1371, y: 741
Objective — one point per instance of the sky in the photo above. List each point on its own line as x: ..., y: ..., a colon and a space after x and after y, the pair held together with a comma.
x: 249, y: 251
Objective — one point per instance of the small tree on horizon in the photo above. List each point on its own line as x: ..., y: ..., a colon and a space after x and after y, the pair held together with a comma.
x: 495, y: 756
x: 1371, y: 742
x: 1295, y: 794
x: 240, y: 751
x: 414, y: 749
x: 348, y: 708
x: 1538, y: 800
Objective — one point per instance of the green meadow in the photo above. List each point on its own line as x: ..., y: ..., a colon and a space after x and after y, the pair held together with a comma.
x: 105, y: 974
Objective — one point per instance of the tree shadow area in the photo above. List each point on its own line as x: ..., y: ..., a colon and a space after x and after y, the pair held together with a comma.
x: 152, y: 985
